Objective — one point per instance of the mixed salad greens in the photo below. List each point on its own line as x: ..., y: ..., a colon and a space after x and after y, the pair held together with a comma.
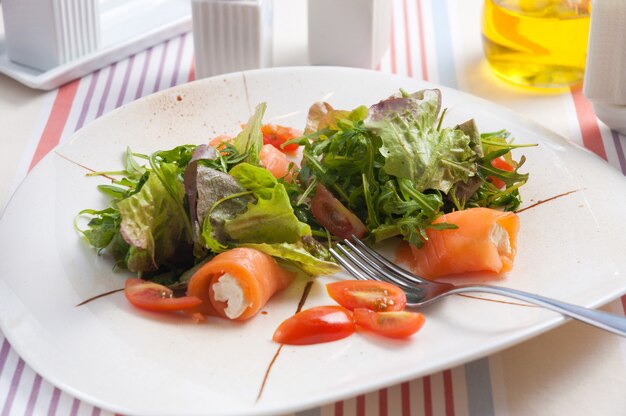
x: 392, y: 169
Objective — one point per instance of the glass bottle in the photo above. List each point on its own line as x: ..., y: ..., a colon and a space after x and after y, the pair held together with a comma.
x: 537, y: 43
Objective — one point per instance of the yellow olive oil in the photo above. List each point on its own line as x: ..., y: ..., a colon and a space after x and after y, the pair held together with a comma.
x: 537, y: 43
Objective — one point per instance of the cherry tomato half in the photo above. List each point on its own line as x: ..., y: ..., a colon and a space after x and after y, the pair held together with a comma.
x: 277, y: 135
x: 316, y: 325
x: 501, y: 164
x: 154, y: 297
x: 334, y: 216
x: 397, y: 324
x: 369, y: 294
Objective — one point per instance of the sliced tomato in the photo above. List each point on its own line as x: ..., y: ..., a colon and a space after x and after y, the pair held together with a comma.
x: 154, y: 297
x: 397, y: 324
x: 316, y: 325
x: 501, y: 164
x: 369, y: 294
x: 334, y: 216
x: 277, y: 135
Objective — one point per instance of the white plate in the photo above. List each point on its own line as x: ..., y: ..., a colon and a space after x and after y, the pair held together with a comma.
x: 121, y: 359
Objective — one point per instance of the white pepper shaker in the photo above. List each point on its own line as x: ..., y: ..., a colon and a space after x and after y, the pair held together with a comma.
x: 353, y: 33
x: 231, y: 35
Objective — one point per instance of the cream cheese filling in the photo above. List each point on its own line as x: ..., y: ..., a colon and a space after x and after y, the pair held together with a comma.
x: 500, y: 238
x: 227, y: 289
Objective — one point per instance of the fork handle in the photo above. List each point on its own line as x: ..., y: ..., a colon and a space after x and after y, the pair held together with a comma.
x: 604, y: 320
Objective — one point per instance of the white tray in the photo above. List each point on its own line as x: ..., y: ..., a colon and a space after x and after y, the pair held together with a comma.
x: 126, y: 30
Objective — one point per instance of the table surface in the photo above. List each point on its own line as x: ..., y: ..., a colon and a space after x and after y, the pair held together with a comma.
x: 573, y: 369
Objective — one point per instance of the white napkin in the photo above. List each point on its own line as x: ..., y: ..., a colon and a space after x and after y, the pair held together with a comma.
x: 605, y: 73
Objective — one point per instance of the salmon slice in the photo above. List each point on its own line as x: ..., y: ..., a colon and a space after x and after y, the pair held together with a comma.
x: 485, y: 240
x: 237, y: 283
x: 275, y: 161
x: 220, y: 141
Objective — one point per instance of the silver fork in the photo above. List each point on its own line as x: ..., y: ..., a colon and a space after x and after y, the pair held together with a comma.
x: 366, y: 264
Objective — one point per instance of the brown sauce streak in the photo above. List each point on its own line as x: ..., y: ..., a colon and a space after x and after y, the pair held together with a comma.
x: 101, y: 295
x: 305, y: 295
x: 83, y: 166
x: 541, y: 201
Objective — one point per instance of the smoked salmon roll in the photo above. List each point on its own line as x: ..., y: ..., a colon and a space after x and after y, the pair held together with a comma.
x: 485, y: 241
x: 237, y: 283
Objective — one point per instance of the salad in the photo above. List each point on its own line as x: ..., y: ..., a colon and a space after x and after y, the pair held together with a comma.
x: 388, y: 171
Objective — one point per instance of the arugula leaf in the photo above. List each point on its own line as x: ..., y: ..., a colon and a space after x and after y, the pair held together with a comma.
x: 102, y: 227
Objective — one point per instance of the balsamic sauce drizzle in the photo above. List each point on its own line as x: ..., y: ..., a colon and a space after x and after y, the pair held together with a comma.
x: 101, y: 295
x: 83, y: 166
x: 541, y: 201
x: 305, y: 295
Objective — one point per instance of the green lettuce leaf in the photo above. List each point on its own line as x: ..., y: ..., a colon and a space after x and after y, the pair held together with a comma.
x: 150, y: 221
x: 250, y: 140
x: 268, y: 221
x: 297, y: 254
x: 415, y: 149
x: 256, y: 179
x: 322, y: 116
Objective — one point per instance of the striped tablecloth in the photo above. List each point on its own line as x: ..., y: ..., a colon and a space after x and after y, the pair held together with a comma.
x: 572, y: 370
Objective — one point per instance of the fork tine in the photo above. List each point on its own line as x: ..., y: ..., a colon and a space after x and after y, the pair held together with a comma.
x: 346, y: 265
x: 373, y: 257
x: 371, y: 273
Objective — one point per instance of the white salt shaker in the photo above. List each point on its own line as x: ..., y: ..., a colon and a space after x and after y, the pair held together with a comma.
x: 44, y: 34
x: 605, y: 75
x: 231, y: 35
x: 353, y: 33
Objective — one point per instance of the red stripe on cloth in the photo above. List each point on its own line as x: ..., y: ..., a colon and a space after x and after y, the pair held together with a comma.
x: 407, y: 40
x: 624, y: 304
x: 428, y: 398
x: 405, y: 395
x: 448, y: 392
x: 56, y: 121
x: 394, y: 68
x: 192, y: 70
x: 339, y: 409
x: 360, y: 405
x: 382, y: 402
x: 422, y: 40
x: 589, y: 128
